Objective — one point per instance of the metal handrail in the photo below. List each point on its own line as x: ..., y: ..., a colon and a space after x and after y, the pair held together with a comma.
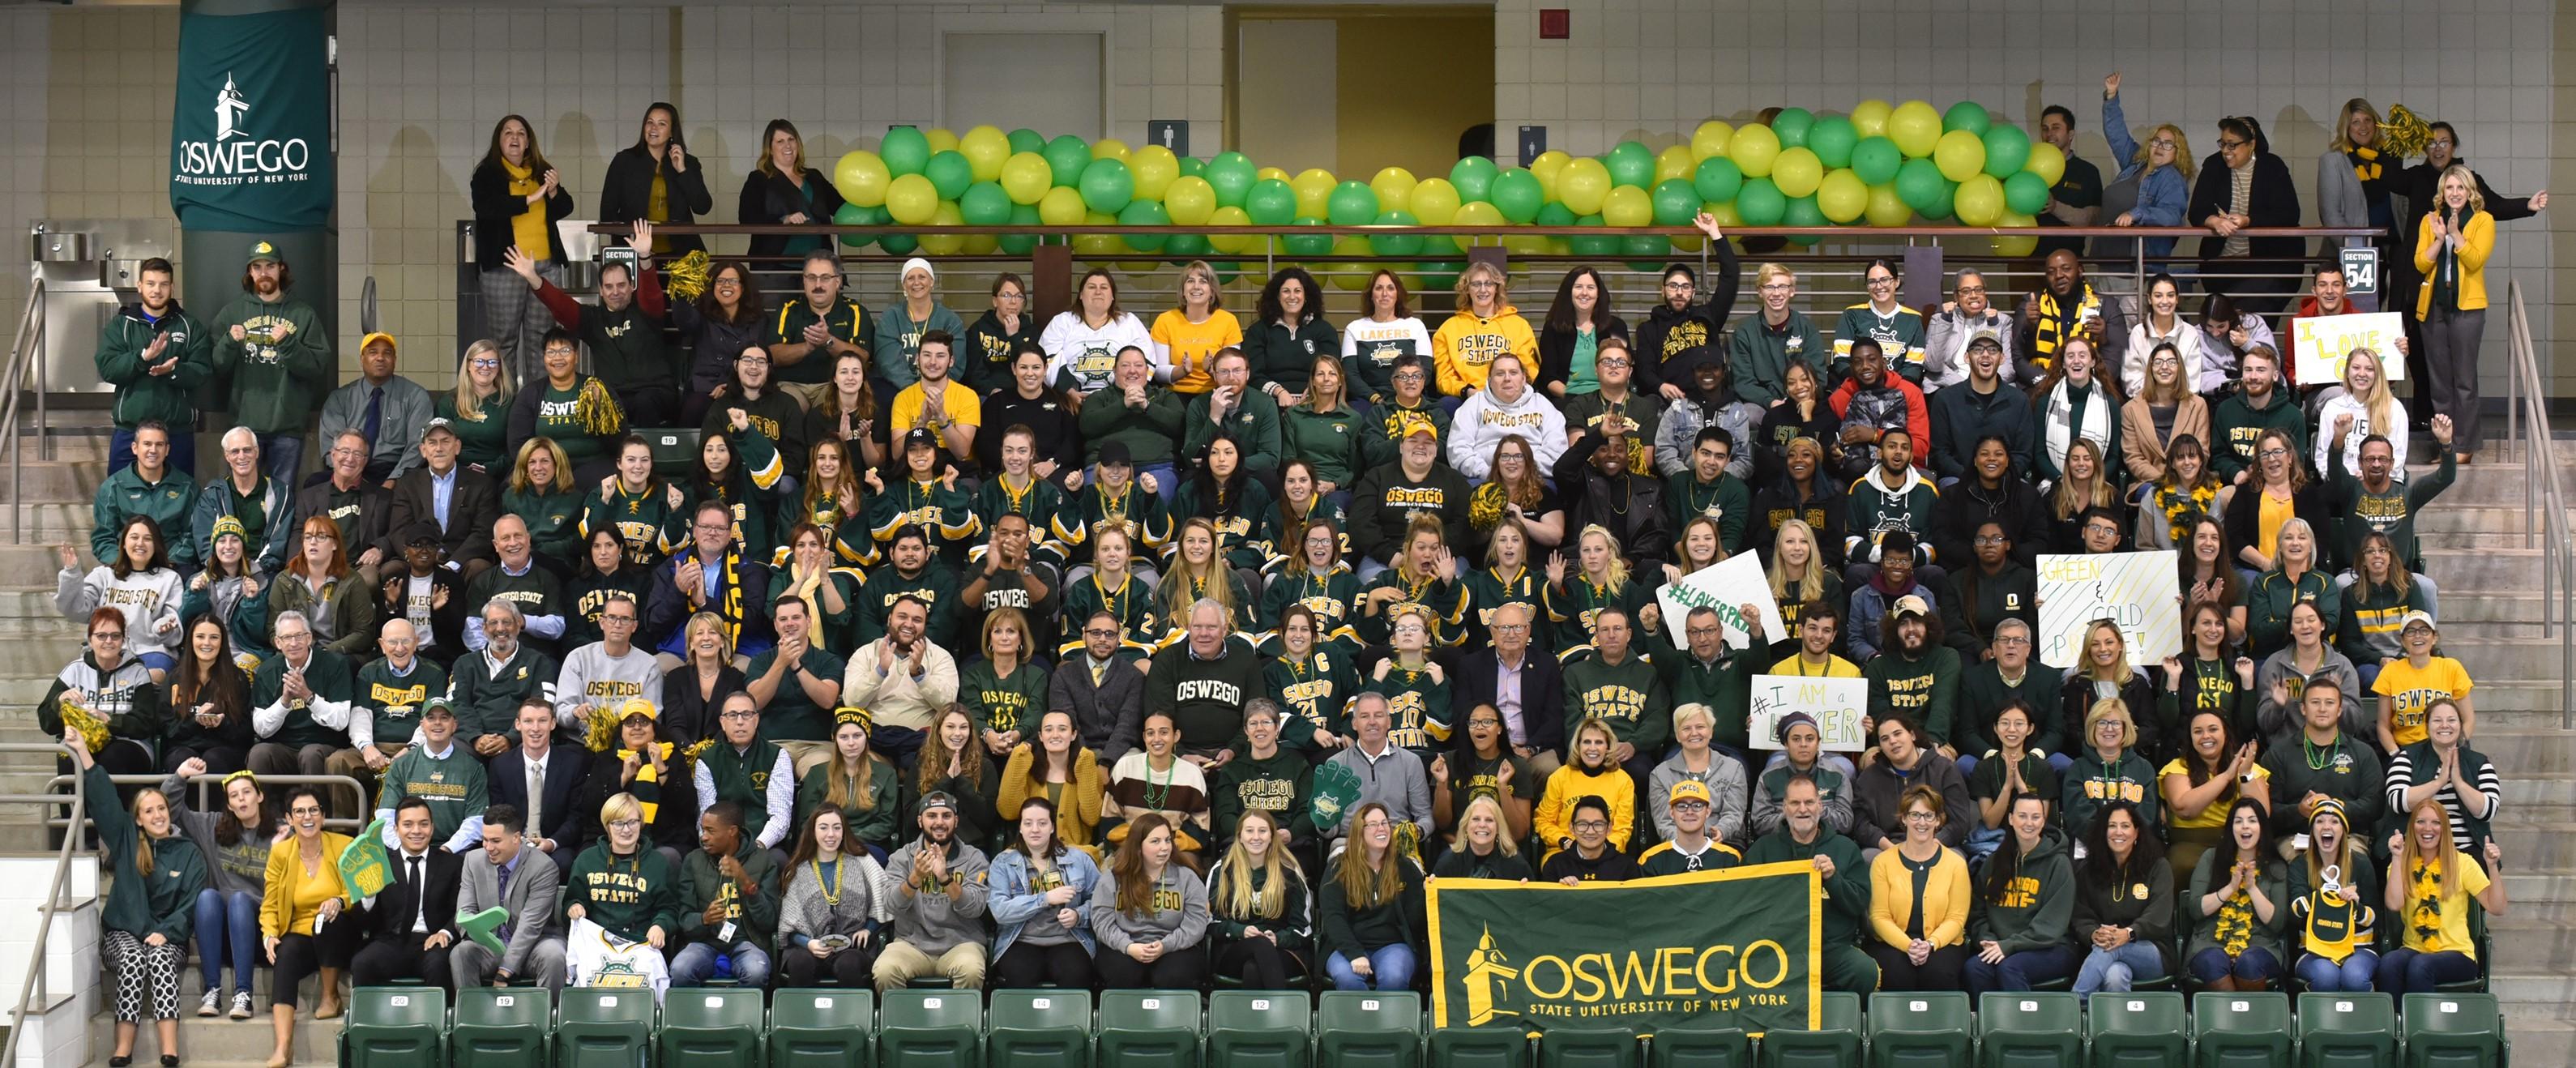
x: 204, y: 795
x: 2527, y: 418
x: 29, y: 344
x: 78, y: 799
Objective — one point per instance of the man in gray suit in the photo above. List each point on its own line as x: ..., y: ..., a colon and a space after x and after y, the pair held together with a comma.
x: 504, y: 874
x: 1102, y: 691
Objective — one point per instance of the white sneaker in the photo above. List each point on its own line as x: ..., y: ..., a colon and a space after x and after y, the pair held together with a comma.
x: 241, y: 1005
x: 206, y: 1004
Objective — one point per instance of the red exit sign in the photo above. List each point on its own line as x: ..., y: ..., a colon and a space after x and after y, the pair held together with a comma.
x: 1555, y: 24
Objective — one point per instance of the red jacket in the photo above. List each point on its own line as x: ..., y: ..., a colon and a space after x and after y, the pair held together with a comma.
x: 2289, y: 335
x: 1918, y: 416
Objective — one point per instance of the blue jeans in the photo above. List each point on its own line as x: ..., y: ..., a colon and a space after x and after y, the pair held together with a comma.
x: 227, y: 924
x: 696, y: 963
x: 2354, y: 975
x: 281, y: 455
x: 2409, y: 971
x: 2114, y: 970
x: 183, y: 450
x: 2256, y: 964
x: 2019, y: 970
x: 1390, y: 968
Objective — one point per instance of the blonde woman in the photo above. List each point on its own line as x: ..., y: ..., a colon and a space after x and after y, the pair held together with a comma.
x: 1486, y: 326
x: 2429, y: 885
x: 2157, y: 174
x: 1483, y: 847
x: 2365, y: 401
x: 2355, y: 176
x: 478, y: 409
x: 2451, y: 248
x: 694, y: 691
x: 540, y: 493
x: 1799, y: 577
x: 1187, y: 338
x: 1259, y: 907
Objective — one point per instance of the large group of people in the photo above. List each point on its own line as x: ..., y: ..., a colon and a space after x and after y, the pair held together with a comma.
x: 1095, y: 652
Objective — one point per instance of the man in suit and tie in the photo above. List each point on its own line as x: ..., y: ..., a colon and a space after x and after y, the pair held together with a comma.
x: 1103, y: 693
x: 411, y: 924
x: 1524, y: 684
x: 539, y: 779
x: 444, y: 499
x: 503, y: 876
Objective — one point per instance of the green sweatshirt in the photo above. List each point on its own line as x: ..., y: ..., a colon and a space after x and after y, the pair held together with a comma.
x: 1724, y: 686
x: 1627, y: 694
x: 1204, y: 697
x: 554, y: 523
x: 2267, y: 608
x: 276, y: 382
x: 455, y: 787
x: 1760, y: 355
x: 625, y: 895
x: 2036, y: 909
x: 1381, y: 434
x: 2348, y: 771
x: 1726, y: 500
x: 164, y: 904
x: 2393, y: 512
x: 1280, y: 785
x: 935, y: 584
x: 392, y: 702
x: 1254, y: 427
x: 1151, y: 432
x: 1846, y: 903
x: 2234, y: 425
x: 169, y: 398
x: 2091, y: 784
x: 753, y: 914
x: 1924, y: 689
x: 1332, y: 441
x: 1003, y: 703
x: 327, y: 673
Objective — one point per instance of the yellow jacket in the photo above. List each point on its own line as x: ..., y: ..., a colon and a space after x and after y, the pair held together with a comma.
x: 1554, y: 817
x: 1945, y: 899
x: 1078, y: 817
x: 2478, y: 239
x: 289, y: 906
x: 1467, y: 343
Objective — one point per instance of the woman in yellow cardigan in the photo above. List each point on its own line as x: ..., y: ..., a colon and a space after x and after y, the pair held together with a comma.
x: 1056, y: 765
x: 1918, y: 902
x: 1591, y: 772
x: 2451, y: 248
x: 303, y: 917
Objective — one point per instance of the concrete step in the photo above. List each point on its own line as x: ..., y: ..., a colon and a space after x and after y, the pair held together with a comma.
x: 53, y: 480
x: 2528, y: 654
x: 222, y: 1040
x: 2541, y: 1035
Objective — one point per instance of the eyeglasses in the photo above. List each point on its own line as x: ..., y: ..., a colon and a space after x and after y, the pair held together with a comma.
x: 2232, y: 145
x: 2012, y: 640
x: 822, y: 278
x: 624, y: 825
x: 627, y: 620
x: 1592, y: 825
x: 1922, y: 817
x: 727, y: 283
x: 116, y: 634
x: 2273, y: 453
x: 1881, y: 280
x: 1099, y: 632
x: 1972, y: 291
x: 2166, y: 142
x: 483, y: 361
x: 737, y: 716
x: 1992, y: 539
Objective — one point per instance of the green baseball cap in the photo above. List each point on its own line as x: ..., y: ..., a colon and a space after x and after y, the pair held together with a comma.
x: 262, y: 250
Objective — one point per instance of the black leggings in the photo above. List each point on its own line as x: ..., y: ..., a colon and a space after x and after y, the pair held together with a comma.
x: 853, y: 967
x: 1261, y: 964
x: 1178, y: 969
x: 1943, y: 970
x: 220, y: 759
x: 1025, y: 966
x: 298, y: 955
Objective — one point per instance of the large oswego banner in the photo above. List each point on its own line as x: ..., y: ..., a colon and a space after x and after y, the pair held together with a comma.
x: 250, y: 129
x: 1740, y: 946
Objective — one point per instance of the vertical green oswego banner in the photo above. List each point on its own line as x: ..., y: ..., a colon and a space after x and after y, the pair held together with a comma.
x: 1737, y: 947
x: 250, y: 129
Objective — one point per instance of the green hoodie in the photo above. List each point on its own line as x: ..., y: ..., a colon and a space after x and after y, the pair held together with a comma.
x: 1924, y: 689
x: 1254, y: 426
x: 753, y: 914
x: 277, y: 382
x: 141, y: 395
x: 627, y: 896
x: 2036, y: 909
x: 1727, y: 500
x: 1626, y: 694
x: 2234, y: 425
x: 1846, y: 891
x: 1724, y: 686
x: 1760, y: 356
x: 1279, y: 785
x: 164, y: 904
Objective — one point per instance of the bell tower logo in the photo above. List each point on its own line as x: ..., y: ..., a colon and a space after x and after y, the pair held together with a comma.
x: 1489, y: 977
x: 229, y: 104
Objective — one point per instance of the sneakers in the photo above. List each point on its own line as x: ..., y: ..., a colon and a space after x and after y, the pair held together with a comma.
x: 241, y: 1005
x: 206, y: 1004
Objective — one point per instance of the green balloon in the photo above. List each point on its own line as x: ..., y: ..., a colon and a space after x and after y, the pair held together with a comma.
x: 1717, y: 179
x: 1676, y: 200
x: 1399, y: 244
x: 1107, y: 186
x: 1920, y: 184
x: 1027, y: 140
x: 899, y: 244
x: 2007, y: 152
x: 1653, y: 247
x: 904, y: 150
x: 1021, y: 244
x: 1144, y: 213
x: 1192, y: 167
x: 1760, y: 203
x: 1187, y: 247
x: 1630, y: 163
x: 1793, y: 125
x: 1297, y: 244
x: 985, y: 204
x: 1518, y: 195
x: 1966, y: 115
x: 1439, y: 274
x: 1592, y: 246
x: 2025, y: 193
x: 1270, y: 202
x: 1875, y: 159
x: 1474, y: 177
x: 1804, y: 212
x: 1944, y: 202
x: 853, y: 215
x: 1232, y: 175
x: 1353, y: 203
x: 1554, y: 213
x: 950, y: 173
x: 1832, y: 139
x: 1066, y: 156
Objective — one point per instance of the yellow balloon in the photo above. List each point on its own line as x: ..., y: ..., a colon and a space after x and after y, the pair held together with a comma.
x: 941, y: 140
x: 1479, y: 214
x: 1583, y: 185
x: 1753, y: 148
x: 938, y: 243
x: 1628, y: 205
x: 861, y: 178
x: 1711, y: 139
x: 2046, y: 162
x: 1347, y: 274
x: 1096, y: 247
x: 1886, y: 208
x: 2015, y: 247
x: 1797, y: 172
x: 1189, y: 200
x: 1271, y: 172
x: 1980, y: 200
x: 1727, y: 217
x: 1434, y: 201
x: 1915, y: 127
x: 1109, y: 148
x: 911, y: 199
x: 1314, y: 187
x: 1869, y: 117
x: 1062, y: 206
x: 1675, y: 162
x: 1153, y: 168
x: 1843, y: 197
x: 982, y: 244
x: 1393, y: 186
x: 1960, y: 154
x: 1236, y: 244
x: 986, y: 148
x: 1692, y: 243
x: 1525, y: 244
x: 1026, y: 177
x: 1549, y: 163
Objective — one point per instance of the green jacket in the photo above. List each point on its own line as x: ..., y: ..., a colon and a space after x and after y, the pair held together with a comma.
x: 2268, y: 601
x: 276, y: 383
x: 267, y: 516
x: 1380, y: 435
x: 1254, y: 427
x: 1846, y: 902
x: 1626, y: 694
x: 627, y: 896
x: 1760, y: 356
x: 171, y: 398
x: 1924, y: 689
x: 169, y: 503
x: 1286, y: 357
x: 754, y: 914
x: 2037, y: 909
x: 1332, y: 441
x: 1727, y: 500
x: 166, y: 903
x: 2234, y: 425
x: 353, y: 609
x: 1725, y: 687
x: 1982, y: 693
x: 1151, y: 432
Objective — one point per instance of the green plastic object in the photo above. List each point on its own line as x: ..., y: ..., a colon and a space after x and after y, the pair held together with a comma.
x: 485, y: 927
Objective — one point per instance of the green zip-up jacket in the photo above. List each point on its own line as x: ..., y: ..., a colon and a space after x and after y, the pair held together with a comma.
x: 2393, y: 513
x: 754, y: 915
x: 277, y: 382
x: 1846, y: 893
x: 1285, y: 357
x: 1924, y: 689
x: 2037, y: 909
x: 141, y: 395
x: 1254, y: 427
x: 2267, y: 608
x: 170, y: 504
x: 1760, y: 355
x: 1626, y: 694
x: 1332, y: 441
x: 164, y: 904
x: 627, y: 896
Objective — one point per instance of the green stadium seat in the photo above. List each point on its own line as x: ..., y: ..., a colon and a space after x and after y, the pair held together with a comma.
x: 675, y: 449
x: 2345, y: 1030
x: 2454, y: 1031
x: 2139, y: 1029
x: 930, y: 1029
x: 1368, y: 1029
x: 710, y: 1027
x: 822, y: 1029
x: 390, y: 1026
x: 2240, y: 1030
x: 1260, y: 1028
x: 1587, y: 1047
x: 1836, y: 1044
x: 598, y: 1027
x: 1038, y: 1029
x: 501, y: 1028
x: 1690, y: 1046
x: 2027, y: 1029
x: 1921, y: 1029
x: 1149, y: 1028
x: 1491, y: 1046
x: 2485, y: 952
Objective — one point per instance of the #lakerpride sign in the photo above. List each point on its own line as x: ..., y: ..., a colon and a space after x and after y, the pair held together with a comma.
x: 1837, y: 704
x: 1725, y: 587
x: 250, y: 133
x: 2323, y: 343
x: 1740, y: 946
x: 2135, y: 590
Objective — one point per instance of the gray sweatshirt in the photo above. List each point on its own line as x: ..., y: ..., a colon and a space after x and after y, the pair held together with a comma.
x: 241, y: 868
x: 927, y: 920
x: 1179, y: 917
x: 2279, y: 721
x: 805, y: 913
x: 592, y: 677
x: 1726, y: 790
x: 148, y: 599
x: 1395, y: 779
